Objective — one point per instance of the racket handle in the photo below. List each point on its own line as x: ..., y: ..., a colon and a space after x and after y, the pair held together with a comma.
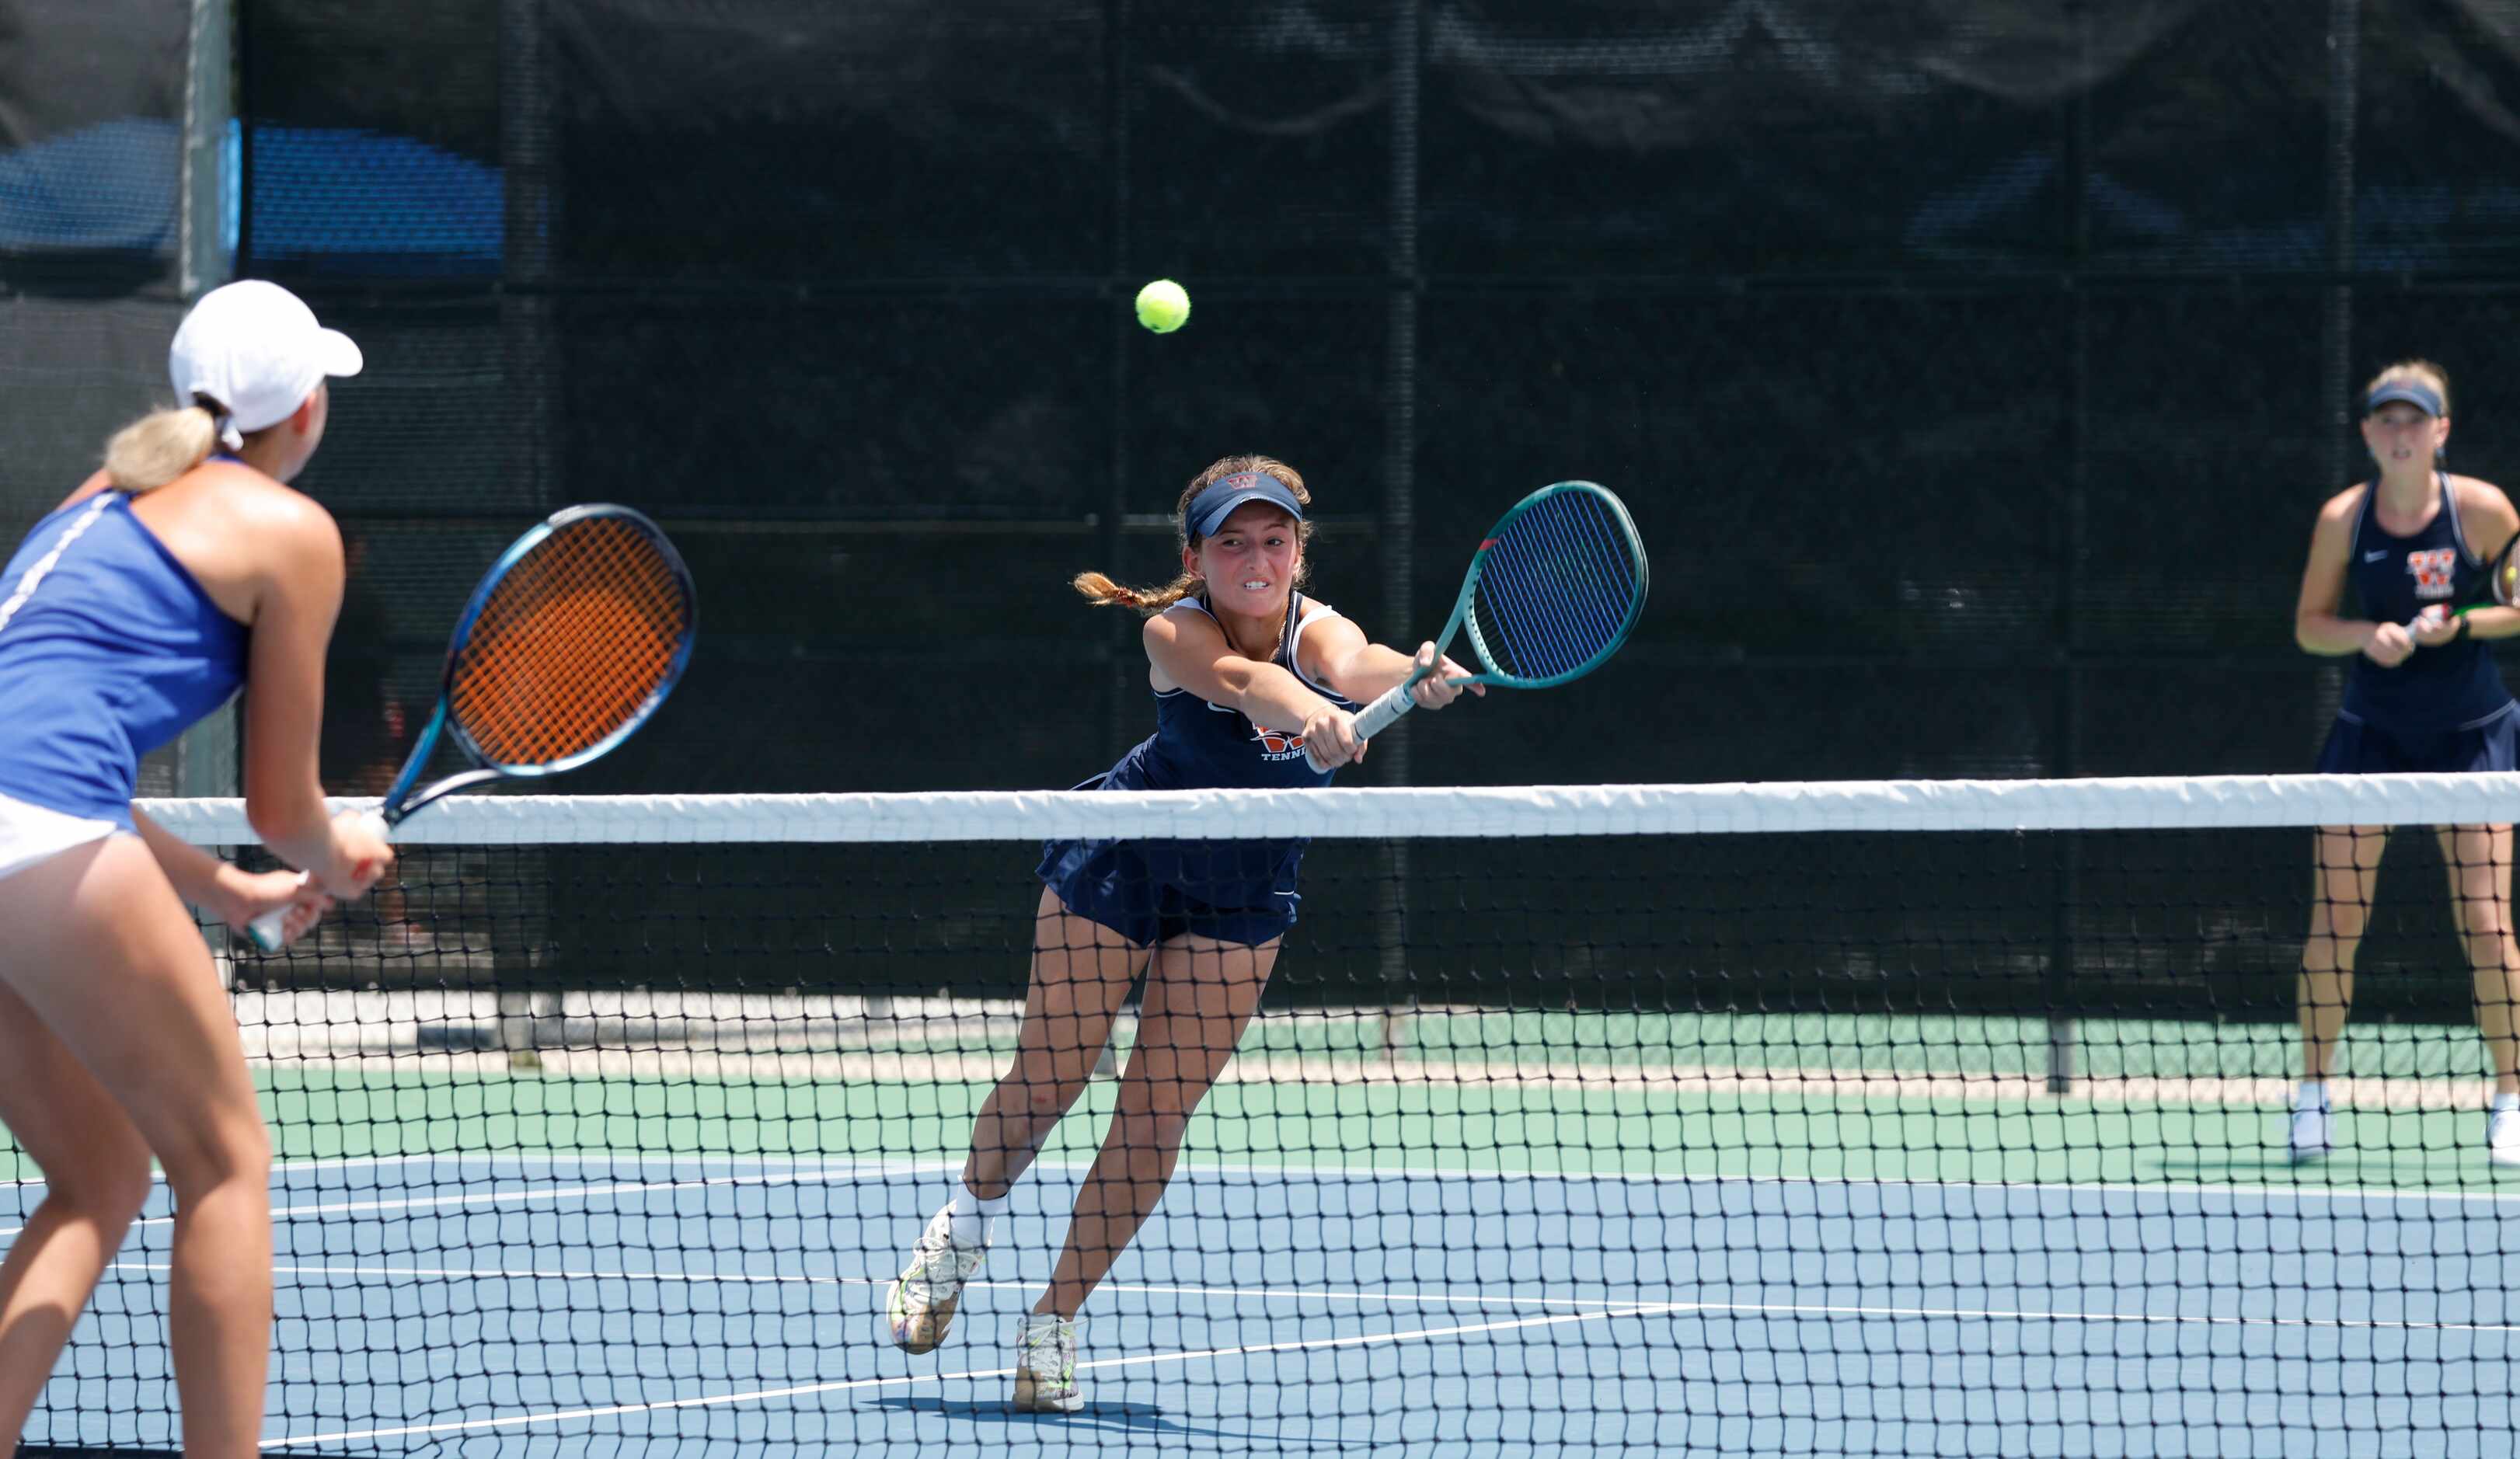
x: 1384, y: 713
x: 265, y: 930
x: 1374, y: 718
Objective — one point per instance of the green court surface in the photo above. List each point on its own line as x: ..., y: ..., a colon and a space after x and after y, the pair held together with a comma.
x: 1825, y: 1097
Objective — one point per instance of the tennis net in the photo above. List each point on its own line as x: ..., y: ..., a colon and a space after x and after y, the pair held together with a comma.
x: 1896, y: 1118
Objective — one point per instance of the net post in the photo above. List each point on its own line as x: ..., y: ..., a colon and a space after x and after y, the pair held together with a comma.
x: 1399, y: 524
x: 531, y: 361
x: 207, y: 754
x: 2061, y: 1053
x: 2068, y: 540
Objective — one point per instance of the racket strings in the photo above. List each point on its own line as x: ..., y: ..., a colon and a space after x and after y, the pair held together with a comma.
x: 573, y: 643
x: 1559, y: 588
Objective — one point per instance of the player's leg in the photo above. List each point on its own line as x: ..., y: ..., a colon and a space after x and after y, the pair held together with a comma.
x: 1199, y: 997
x: 96, y: 1177
x: 2479, y: 861
x: 1081, y: 975
x: 2348, y: 868
x: 103, y: 952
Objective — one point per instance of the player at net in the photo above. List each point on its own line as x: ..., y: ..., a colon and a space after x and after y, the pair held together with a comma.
x: 1249, y: 675
x: 185, y: 568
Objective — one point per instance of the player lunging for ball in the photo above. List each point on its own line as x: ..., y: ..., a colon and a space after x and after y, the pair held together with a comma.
x: 1247, y: 673
x: 2425, y: 695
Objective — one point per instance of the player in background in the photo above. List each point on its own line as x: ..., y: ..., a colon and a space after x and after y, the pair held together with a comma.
x: 2413, y: 544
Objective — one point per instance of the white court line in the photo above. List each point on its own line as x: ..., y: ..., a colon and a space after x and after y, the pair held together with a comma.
x: 1366, y: 1340
x: 876, y: 1165
x: 1440, y: 1297
x: 2499, y: 1194
x: 590, y: 1157
x: 496, y: 1198
x: 849, y: 1384
x: 826, y: 1176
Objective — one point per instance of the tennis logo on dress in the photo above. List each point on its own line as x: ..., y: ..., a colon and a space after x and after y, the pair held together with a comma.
x: 2433, y: 567
x: 1278, y: 745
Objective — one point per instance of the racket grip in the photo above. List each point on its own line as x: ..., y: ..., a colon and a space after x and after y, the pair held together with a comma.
x: 1375, y: 717
x: 265, y: 930
x: 1384, y: 713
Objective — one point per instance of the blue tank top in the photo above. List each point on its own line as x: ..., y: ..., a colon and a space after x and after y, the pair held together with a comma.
x: 109, y: 650
x: 2454, y: 687
x: 1197, y: 745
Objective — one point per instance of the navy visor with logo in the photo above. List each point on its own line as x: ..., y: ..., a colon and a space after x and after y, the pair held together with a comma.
x: 1219, y: 498
x: 2413, y: 392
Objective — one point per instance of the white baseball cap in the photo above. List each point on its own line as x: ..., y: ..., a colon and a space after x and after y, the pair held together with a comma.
x: 256, y: 349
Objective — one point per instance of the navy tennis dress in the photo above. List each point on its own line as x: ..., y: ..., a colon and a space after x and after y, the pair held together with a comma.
x: 1232, y: 890
x: 2445, y: 708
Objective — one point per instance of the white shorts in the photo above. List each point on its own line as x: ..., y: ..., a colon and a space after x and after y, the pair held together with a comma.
x: 32, y: 833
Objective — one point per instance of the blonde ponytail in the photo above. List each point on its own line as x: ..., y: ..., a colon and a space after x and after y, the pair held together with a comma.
x: 159, y: 447
x: 1104, y: 594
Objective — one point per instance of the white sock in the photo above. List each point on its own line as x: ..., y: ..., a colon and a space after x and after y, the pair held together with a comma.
x: 2506, y: 1102
x: 975, y: 1220
x: 2314, y: 1095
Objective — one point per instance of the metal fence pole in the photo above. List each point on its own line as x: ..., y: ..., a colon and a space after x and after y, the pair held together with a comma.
x: 1398, y: 528
x: 207, y: 755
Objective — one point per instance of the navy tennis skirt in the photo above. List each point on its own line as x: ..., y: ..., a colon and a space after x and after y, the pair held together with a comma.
x: 2358, y: 747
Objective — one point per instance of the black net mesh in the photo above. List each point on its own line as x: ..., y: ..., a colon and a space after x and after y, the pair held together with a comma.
x: 1977, y: 1140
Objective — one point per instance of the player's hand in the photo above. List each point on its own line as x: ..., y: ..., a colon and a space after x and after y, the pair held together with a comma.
x: 1330, y: 739
x: 360, y: 857
x: 2389, y: 646
x: 2435, y: 626
x: 251, y: 895
x: 1442, y: 687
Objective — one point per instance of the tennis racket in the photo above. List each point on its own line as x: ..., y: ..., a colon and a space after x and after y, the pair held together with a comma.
x: 1550, y: 595
x: 573, y: 639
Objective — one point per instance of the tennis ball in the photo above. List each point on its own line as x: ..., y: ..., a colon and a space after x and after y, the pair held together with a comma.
x: 1163, y: 306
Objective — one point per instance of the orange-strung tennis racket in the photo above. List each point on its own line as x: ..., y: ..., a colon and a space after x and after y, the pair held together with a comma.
x: 574, y: 638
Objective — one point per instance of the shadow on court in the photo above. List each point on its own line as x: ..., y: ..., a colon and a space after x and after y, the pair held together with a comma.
x: 1133, y: 1418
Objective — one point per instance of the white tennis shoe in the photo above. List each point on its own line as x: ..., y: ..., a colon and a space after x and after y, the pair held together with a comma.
x: 2503, y: 1136
x: 1046, y: 1366
x: 2311, y: 1135
x: 922, y: 1303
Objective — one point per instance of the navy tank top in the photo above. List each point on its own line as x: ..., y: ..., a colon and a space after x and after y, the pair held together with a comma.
x: 1197, y: 745
x: 109, y: 650
x: 2451, y: 687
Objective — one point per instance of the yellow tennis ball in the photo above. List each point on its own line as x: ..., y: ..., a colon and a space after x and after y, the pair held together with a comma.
x: 1163, y: 306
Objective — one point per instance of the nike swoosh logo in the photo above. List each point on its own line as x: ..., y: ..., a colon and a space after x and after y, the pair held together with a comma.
x: 2375, y: 556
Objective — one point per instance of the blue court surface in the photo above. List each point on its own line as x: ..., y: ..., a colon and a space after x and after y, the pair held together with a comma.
x: 650, y: 1305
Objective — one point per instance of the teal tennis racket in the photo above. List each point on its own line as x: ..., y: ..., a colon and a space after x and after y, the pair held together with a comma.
x: 1550, y: 595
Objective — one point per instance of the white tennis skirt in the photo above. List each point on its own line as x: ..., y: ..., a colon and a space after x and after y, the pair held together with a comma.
x: 32, y: 833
